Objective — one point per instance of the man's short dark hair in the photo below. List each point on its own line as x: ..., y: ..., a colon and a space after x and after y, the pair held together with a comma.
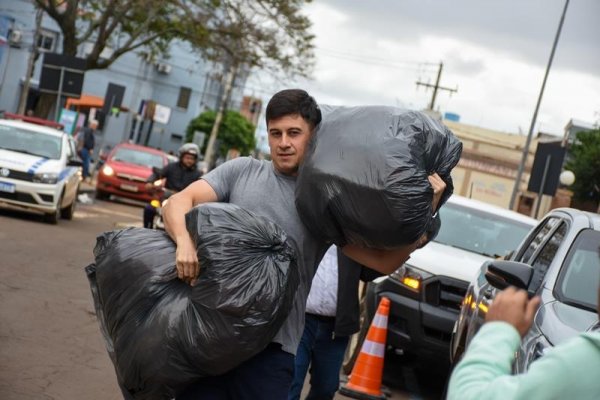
x: 294, y: 102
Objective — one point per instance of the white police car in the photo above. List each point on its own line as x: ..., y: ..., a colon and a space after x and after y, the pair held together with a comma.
x: 39, y: 169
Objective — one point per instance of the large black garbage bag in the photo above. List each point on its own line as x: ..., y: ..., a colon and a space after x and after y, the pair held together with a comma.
x: 364, y: 177
x: 163, y: 334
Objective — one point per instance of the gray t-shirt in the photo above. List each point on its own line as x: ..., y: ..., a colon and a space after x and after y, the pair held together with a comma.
x: 257, y: 187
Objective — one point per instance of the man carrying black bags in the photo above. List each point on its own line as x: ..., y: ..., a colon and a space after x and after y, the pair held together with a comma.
x: 267, y: 188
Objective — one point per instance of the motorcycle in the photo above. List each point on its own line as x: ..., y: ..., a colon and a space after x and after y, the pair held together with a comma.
x: 157, y: 205
x: 153, y: 211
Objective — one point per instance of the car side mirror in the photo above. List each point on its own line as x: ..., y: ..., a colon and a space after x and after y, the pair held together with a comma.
x: 74, y: 163
x: 502, y: 274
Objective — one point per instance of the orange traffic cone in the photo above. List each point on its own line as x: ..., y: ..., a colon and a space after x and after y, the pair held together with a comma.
x: 365, y: 380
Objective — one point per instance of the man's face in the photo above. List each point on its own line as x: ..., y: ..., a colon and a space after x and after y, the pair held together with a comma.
x: 288, y: 138
x: 188, y: 160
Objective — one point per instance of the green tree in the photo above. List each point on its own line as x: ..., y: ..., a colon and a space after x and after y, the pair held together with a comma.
x: 120, y: 26
x: 585, y: 164
x: 260, y: 33
x: 236, y: 132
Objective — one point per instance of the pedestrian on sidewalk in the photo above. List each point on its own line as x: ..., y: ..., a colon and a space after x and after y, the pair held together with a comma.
x: 86, y: 142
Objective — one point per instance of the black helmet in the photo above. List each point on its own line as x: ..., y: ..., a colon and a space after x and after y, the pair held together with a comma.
x: 189, y: 148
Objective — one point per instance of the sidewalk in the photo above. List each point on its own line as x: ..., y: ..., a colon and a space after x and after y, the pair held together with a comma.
x: 85, y: 187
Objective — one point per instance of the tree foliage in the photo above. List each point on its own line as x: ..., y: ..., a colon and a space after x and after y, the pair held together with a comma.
x: 121, y: 26
x: 236, y: 132
x: 265, y: 34
x: 258, y: 33
x: 585, y: 164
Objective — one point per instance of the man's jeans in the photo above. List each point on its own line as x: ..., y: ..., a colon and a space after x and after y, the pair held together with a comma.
x: 324, y: 353
x: 85, y: 157
x: 267, y: 376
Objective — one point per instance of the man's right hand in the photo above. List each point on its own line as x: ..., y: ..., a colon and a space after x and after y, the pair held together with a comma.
x: 188, y: 267
x: 513, y: 306
x: 186, y: 258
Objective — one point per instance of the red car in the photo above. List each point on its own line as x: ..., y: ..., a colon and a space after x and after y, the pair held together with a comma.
x: 126, y: 170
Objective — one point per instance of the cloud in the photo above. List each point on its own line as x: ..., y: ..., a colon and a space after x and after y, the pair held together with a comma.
x: 524, y: 28
x: 374, y: 52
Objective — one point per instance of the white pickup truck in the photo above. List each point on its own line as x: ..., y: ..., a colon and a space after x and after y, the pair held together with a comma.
x: 426, y: 292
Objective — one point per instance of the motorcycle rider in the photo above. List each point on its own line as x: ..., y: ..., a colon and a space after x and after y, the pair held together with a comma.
x: 178, y: 176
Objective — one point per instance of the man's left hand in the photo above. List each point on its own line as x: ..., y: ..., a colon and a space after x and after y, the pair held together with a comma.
x: 439, y: 186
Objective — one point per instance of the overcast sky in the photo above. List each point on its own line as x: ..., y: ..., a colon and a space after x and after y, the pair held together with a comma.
x: 494, y: 52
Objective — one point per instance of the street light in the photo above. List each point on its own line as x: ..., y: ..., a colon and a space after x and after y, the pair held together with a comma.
x: 525, y: 154
x: 567, y: 178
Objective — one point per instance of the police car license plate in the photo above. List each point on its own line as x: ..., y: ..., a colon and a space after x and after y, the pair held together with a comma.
x: 129, y: 188
x: 7, y: 187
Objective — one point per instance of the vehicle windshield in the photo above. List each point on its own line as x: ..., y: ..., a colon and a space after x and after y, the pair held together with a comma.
x: 30, y: 142
x: 138, y: 157
x: 480, y: 232
x: 581, y: 271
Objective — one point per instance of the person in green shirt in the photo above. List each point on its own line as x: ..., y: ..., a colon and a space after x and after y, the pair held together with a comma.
x: 568, y: 371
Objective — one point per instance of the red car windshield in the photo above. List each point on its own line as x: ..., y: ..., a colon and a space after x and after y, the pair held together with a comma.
x: 138, y: 157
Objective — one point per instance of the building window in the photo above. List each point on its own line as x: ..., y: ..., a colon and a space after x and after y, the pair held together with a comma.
x: 46, y: 41
x: 184, y: 97
x: 175, y: 137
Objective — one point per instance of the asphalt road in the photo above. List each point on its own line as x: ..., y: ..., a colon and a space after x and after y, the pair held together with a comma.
x: 50, y: 344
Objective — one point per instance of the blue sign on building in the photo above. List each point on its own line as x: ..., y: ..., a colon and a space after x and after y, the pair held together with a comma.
x: 452, y: 117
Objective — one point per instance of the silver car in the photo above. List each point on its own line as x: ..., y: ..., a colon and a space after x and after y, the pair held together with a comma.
x: 559, y: 261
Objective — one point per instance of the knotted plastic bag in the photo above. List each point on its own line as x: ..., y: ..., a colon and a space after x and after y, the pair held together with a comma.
x: 160, y: 332
x: 364, y: 177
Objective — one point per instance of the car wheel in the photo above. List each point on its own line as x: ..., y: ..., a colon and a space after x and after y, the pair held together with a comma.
x: 355, y: 342
x: 100, y: 195
x: 67, y: 212
x: 52, y: 218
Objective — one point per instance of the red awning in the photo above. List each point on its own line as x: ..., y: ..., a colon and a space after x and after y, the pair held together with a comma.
x: 87, y: 101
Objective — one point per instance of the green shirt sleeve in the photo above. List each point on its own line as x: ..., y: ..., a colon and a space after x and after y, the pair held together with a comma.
x: 568, y: 371
x: 489, y: 357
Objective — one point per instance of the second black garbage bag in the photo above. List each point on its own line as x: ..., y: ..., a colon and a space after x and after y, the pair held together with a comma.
x: 364, y: 178
x: 163, y: 334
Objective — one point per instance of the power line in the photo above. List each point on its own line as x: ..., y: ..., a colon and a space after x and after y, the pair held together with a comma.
x: 436, y: 87
x: 376, y: 63
x: 384, y: 60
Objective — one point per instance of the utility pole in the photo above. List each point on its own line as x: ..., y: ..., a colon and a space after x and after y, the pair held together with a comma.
x: 32, y: 56
x: 513, y: 197
x: 231, y: 75
x: 437, y: 86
